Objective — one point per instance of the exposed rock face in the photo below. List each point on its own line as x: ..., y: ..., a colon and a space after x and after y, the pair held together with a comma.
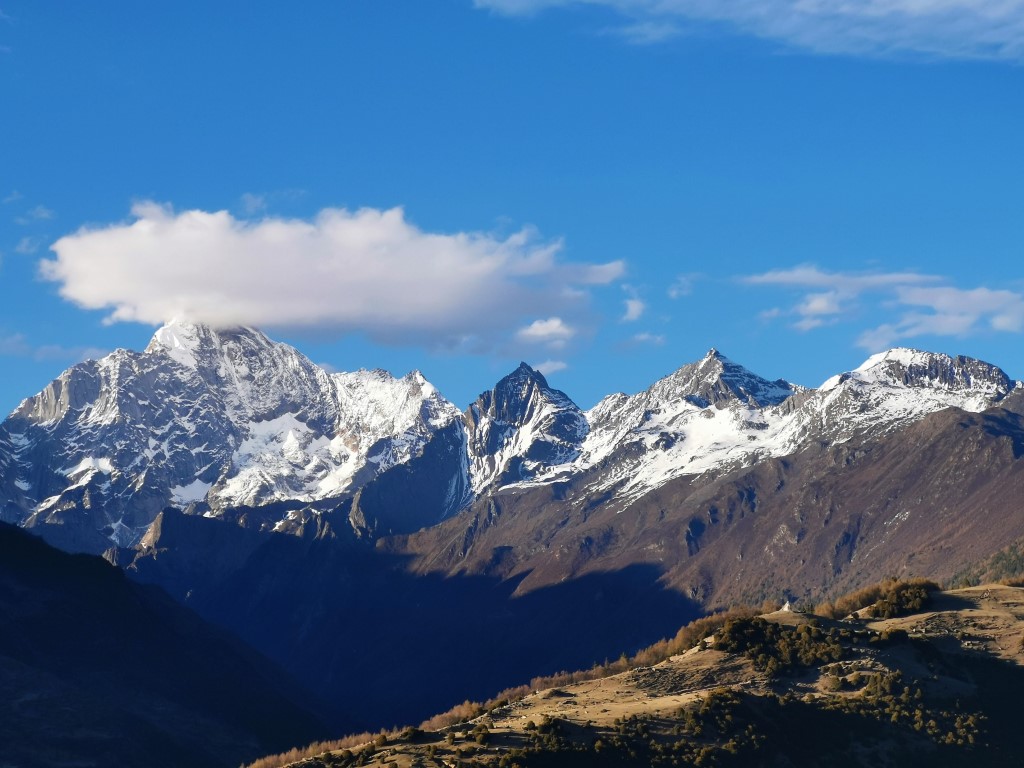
x: 930, y: 498
x: 230, y: 424
x: 520, y: 428
x: 209, y: 420
x: 714, y: 416
x: 712, y: 486
x: 213, y: 420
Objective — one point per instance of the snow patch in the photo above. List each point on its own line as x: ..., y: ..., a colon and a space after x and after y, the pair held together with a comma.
x: 179, y: 341
x: 90, y: 464
x: 197, y: 490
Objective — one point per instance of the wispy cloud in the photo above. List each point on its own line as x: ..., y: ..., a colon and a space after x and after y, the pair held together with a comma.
x: 74, y: 354
x: 28, y: 245
x: 38, y: 213
x: 647, y: 32
x: 832, y: 294
x: 681, y: 286
x: 252, y: 204
x: 367, y: 271
x: 15, y: 345
x: 961, y: 29
x: 18, y: 345
x: 551, y: 366
x: 656, y: 339
x: 12, y: 197
x: 948, y: 311
x: 810, y: 276
x: 259, y: 203
x: 924, y: 305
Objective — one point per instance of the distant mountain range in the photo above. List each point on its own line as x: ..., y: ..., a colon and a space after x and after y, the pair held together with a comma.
x: 207, y: 421
x: 326, y: 518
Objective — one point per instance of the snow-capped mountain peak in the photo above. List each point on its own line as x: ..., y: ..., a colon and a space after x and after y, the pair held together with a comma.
x: 521, y: 427
x: 715, y: 415
x: 218, y: 418
x: 713, y: 380
x: 179, y: 340
x: 915, y: 368
x: 209, y: 419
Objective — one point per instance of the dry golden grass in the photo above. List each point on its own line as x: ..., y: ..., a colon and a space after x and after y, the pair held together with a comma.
x: 890, y: 590
x: 318, y: 748
x: 685, y: 639
x: 981, y: 618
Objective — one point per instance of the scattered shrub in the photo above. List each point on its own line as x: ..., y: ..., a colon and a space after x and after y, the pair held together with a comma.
x: 885, y: 600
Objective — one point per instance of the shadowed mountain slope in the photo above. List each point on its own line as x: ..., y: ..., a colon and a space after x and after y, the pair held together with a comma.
x: 97, y: 670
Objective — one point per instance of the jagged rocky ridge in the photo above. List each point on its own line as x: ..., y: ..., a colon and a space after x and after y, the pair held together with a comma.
x: 210, y: 421
x: 207, y: 420
x: 610, y: 527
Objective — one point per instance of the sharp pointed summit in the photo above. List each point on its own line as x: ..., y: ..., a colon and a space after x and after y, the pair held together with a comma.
x: 717, y: 380
x: 521, y: 427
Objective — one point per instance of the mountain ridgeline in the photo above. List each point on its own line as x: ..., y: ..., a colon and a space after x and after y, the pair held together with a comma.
x: 209, y: 421
x: 318, y: 515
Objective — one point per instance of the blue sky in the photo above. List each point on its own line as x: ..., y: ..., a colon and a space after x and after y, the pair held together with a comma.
x: 604, y: 189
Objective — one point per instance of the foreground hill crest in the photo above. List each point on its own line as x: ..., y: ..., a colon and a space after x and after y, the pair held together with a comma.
x: 209, y: 420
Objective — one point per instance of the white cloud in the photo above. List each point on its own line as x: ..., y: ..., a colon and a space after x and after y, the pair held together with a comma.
x: 962, y: 29
x: 252, y: 204
x: 833, y: 294
x: 1001, y: 310
x: 597, y: 274
x: 924, y: 305
x: 953, y: 312
x: 647, y: 32
x: 827, y: 303
x: 368, y: 271
x: 634, y: 310
x: 878, y: 339
x: 553, y: 333
x: 809, y: 276
x: 818, y: 309
x: 648, y: 338
x: 634, y: 305
x: 13, y: 197
x: 17, y: 345
x: 39, y: 213
x: 28, y: 245
x: 551, y: 366
x: 681, y: 286
x: 810, y: 323
x: 74, y: 354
